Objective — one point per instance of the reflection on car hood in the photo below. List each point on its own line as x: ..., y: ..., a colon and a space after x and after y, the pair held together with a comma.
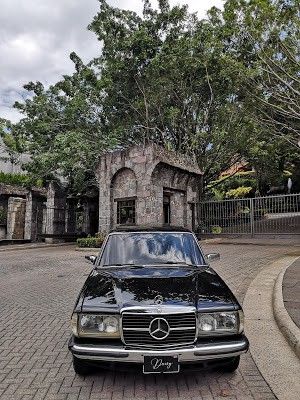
x: 116, y: 288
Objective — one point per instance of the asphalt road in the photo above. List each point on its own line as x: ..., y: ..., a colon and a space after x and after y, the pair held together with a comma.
x: 38, y: 288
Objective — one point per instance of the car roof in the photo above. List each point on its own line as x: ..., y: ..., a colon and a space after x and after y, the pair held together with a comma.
x: 147, y: 228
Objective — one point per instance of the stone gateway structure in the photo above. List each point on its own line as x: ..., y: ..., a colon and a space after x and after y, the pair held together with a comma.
x: 147, y: 185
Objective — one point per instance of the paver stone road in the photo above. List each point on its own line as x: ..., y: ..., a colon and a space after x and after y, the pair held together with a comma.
x: 38, y: 288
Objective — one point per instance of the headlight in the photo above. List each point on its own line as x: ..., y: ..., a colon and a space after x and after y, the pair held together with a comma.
x: 220, y: 323
x: 94, y: 325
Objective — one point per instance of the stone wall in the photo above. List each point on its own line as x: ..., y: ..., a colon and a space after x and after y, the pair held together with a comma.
x: 16, y: 218
x: 145, y: 174
x: 23, y: 206
x: 46, y: 214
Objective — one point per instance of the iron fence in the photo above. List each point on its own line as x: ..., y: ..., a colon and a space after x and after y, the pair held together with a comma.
x: 61, y: 221
x: 262, y: 215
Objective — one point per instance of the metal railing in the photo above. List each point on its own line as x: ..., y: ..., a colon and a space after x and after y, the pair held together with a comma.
x: 262, y: 215
x: 59, y: 221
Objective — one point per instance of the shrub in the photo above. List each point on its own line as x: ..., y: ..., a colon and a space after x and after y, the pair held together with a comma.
x: 239, y: 193
x: 216, y: 229
x: 90, y: 242
x: 237, y: 181
x: 218, y: 189
x: 18, y: 179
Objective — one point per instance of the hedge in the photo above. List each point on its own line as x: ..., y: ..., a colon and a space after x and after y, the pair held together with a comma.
x: 17, y: 179
x: 90, y: 242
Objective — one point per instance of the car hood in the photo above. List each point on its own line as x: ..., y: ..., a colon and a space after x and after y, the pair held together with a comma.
x: 111, y: 290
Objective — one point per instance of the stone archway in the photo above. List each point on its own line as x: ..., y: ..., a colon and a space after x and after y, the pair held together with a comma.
x: 142, y: 175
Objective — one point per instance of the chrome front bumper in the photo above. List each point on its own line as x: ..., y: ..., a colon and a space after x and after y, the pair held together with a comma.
x: 199, y: 351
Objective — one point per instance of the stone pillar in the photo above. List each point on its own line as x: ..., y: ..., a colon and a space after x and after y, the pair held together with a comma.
x: 178, y: 208
x: 104, y: 209
x: 29, y: 218
x: 149, y: 204
x: 105, y: 205
x: 16, y: 218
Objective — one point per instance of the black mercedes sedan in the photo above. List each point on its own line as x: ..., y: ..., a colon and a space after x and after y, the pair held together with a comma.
x: 153, y: 302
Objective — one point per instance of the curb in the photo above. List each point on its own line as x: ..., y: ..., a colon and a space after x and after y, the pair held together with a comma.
x: 286, y: 325
x: 88, y: 249
x: 33, y: 246
x: 271, y: 352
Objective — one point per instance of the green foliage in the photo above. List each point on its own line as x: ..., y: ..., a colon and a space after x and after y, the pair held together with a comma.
x: 18, y: 179
x: 264, y: 35
x: 90, y: 242
x: 222, y: 90
x: 169, y: 80
x: 236, y: 181
x: 25, y: 180
x: 62, y: 130
x: 216, y: 229
x: 218, y: 189
x: 239, y: 192
x: 215, y: 194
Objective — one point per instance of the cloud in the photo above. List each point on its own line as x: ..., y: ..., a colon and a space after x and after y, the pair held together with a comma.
x: 37, y: 37
x: 36, y: 40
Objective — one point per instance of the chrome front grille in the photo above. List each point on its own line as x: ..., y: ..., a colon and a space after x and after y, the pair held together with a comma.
x: 136, y: 329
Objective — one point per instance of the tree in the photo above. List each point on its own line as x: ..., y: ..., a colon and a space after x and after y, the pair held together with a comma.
x: 261, y: 38
x: 266, y: 35
x: 168, y: 79
x: 215, y: 89
x: 62, y: 129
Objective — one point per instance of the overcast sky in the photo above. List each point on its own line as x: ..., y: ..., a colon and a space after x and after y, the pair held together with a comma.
x: 37, y: 36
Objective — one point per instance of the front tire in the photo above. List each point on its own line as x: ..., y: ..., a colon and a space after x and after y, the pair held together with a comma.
x: 232, y: 366
x: 80, y: 367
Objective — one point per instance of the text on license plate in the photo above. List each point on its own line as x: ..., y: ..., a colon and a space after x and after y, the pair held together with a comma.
x: 160, y: 364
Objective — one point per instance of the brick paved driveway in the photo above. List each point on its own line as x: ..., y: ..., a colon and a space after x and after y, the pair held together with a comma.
x: 38, y: 288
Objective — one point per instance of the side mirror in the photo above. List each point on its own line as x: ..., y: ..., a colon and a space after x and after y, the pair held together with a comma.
x: 213, y: 256
x: 92, y: 259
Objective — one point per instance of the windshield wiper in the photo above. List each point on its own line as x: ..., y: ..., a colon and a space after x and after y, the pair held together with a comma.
x: 174, y: 262
x: 119, y: 265
x: 178, y: 263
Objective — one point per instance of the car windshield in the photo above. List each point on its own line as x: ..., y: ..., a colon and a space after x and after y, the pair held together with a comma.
x: 150, y: 248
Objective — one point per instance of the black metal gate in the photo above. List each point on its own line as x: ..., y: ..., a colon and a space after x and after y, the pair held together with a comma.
x: 272, y: 215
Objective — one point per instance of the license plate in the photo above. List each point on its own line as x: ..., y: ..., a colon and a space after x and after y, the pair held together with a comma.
x: 160, y: 364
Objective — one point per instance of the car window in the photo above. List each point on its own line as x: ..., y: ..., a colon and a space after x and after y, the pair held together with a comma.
x: 151, y: 248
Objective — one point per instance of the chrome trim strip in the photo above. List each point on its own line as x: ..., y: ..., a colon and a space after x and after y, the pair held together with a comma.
x: 184, y: 328
x: 190, y: 353
x: 160, y: 346
x: 163, y: 309
x: 136, y: 329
